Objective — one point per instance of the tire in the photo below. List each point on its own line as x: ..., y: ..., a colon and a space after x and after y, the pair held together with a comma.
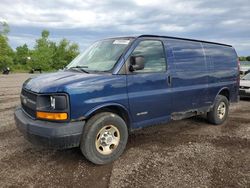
x: 104, y: 138
x: 217, y: 115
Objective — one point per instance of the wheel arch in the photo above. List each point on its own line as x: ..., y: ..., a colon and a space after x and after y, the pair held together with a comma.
x: 225, y: 92
x: 116, y: 108
x: 212, y: 114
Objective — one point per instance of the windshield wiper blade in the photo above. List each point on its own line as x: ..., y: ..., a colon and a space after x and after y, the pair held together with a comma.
x: 83, y: 66
x: 80, y: 68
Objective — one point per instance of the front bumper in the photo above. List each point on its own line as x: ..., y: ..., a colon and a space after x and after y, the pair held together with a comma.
x: 58, y: 135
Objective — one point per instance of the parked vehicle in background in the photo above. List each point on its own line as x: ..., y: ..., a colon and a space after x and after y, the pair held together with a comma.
x: 244, y: 67
x: 32, y: 71
x: 245, y: 86
x: 119, y: 85
x: 6, y: 70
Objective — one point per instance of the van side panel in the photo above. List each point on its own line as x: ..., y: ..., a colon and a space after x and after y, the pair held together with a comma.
x: 189, y: 74
x: 222, y: 61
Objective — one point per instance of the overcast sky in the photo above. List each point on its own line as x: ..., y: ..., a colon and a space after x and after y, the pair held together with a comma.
x: 84, y: 21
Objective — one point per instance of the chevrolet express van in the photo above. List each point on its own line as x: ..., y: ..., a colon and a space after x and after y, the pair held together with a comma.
x: 122, y: 84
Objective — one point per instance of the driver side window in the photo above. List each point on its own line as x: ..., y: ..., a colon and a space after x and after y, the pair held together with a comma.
x: 154, y: 57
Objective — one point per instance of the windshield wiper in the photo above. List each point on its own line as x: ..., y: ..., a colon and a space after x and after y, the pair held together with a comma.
x: 82, y: 68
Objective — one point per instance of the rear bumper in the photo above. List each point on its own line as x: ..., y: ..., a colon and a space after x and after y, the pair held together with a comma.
x: 49, y: 134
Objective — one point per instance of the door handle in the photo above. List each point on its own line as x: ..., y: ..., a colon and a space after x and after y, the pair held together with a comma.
x: 169, y: 80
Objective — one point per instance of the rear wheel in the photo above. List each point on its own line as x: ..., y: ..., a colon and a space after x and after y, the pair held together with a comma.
x: 104, y: 138
x: 219, y: 112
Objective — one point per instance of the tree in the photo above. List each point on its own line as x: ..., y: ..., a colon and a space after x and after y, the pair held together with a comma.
x: 72, y: 52
x: 248, y: 58
x: 46, y: 55
x: 22, y: 55
x: 64, y: 54
x: 242, y: 58
x: 6, y: 53
x: 43, y: 53
x: 59, y: 56
x: 45, y: 34
x: 4, y: 28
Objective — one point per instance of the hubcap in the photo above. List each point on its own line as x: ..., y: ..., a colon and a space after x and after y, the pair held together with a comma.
x: 107, y: 139
x: 221, y: 111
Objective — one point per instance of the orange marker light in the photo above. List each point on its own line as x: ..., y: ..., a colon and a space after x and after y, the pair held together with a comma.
x: 52, y: 116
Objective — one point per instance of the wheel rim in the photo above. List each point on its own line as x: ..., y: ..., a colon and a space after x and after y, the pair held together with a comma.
x: 221, y: 111
x: 107, y: 139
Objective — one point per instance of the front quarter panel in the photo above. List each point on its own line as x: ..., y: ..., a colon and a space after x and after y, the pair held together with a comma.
x: 104, y: 89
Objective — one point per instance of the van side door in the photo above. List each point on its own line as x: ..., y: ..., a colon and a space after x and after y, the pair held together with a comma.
x: 148, y: 89
x: 189, y: 75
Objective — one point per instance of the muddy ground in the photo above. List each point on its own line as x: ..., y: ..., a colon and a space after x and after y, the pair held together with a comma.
x: 187, y: 153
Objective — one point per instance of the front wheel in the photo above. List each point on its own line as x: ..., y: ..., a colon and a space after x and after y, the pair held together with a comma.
x: 104, y: 138
x: 219, y: 112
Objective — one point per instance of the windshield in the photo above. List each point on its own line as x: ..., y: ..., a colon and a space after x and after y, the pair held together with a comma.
x: 101, y: 56
x: 246, y: 77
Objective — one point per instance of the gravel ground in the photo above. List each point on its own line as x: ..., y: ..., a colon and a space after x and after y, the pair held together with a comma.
x: 187, y: 153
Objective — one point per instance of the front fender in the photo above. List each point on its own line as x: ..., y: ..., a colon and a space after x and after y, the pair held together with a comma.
x: 93, y: 110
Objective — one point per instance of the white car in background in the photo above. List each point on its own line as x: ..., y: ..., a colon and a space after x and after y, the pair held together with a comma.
x: 244, y: 67
x: 245, y: 86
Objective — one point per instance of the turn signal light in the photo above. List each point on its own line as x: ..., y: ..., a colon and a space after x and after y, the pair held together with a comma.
x: 52, y: 115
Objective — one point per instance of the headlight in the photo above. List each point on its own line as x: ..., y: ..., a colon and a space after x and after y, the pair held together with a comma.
x: 53, y: 102
x: 52, y: 107
x: 58, y: 102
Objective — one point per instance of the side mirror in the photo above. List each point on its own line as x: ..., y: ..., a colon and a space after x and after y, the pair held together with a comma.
x: 136, y: 63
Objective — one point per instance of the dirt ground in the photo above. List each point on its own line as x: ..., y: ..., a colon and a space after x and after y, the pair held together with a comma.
x: 187, y: 153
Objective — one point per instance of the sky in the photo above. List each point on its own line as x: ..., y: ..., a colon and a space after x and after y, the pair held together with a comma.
x: 85, y: 21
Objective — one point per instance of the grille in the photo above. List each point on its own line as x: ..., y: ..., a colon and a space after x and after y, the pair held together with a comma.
x: 28, y: 102
x: 244, y: 87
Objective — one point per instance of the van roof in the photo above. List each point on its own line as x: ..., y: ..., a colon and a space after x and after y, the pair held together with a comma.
x: 159, y: 36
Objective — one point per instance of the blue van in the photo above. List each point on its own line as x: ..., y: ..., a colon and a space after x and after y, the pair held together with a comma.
x: 122, y: 84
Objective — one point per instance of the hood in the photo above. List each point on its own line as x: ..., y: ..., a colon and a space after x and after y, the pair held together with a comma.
x: 56, y: 82
x: 245, y: 83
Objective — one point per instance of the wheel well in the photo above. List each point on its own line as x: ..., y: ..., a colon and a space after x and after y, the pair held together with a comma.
x: 116, y: 110
x: 225, y: 92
